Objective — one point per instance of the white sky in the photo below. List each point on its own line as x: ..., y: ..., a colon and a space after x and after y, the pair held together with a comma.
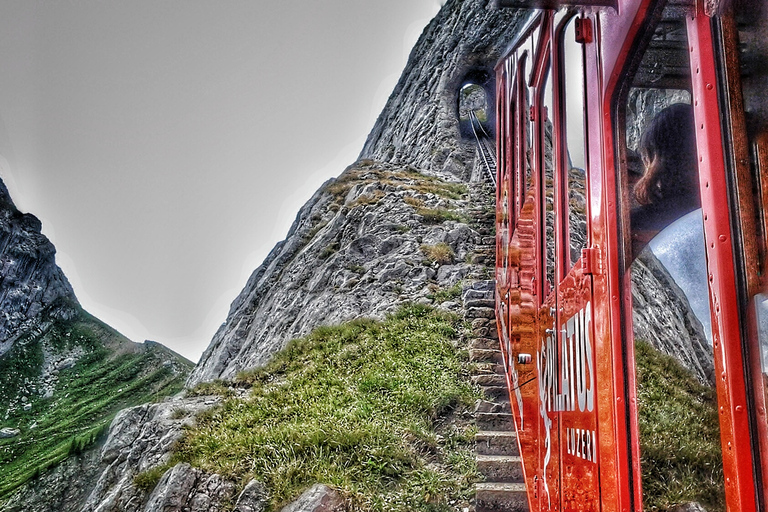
x: 167, y: 146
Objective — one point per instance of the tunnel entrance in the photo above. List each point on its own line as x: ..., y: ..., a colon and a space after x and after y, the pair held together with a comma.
x: 475, y: 97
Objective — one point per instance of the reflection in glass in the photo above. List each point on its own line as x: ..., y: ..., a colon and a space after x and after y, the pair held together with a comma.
x: 576, y: 142
x: 549, y: 185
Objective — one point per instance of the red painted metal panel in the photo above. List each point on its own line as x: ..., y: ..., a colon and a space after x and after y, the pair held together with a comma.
x: 724, y: 303
x: 617, y: 32
x: 576, y: 457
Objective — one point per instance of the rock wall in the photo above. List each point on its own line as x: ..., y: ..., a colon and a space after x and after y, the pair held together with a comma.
x: 662, y: 316
x: 348, y: 257
x: 30, y: 280
x: 361, y: 246
x: 420, y: 124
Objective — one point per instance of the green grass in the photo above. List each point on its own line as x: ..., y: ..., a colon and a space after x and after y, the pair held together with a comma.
x: 371, y: 408
x: 87, y: 395
x: 439, y: 215
x: 441, y: 295
x: 439, y: 253
x: 679, y: 435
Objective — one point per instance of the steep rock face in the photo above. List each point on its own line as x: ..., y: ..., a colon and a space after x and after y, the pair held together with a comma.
x: 140, y: 439
x: 662, y: 316
x: 420, y: 124
x: 30, y: 280
x: 63, y: 374
x: 102, y: 478
x: 310, y: 278
x: 364, y: 244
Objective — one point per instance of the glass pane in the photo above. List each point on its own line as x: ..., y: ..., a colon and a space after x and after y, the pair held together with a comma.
x: 576, y: 142
x: 660, y: 193
x: 548, y: 182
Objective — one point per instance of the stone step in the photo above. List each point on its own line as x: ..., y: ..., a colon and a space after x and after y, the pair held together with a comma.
x: 471, y: 294
x: 481, y: 259
x: 489, y: 406
x: 479, y: 355
x: 491, y: 442
x: 483, y: 285
x: 499, y: 394
x: 484, y: 343
x: 498, y: 497
x: 500, y: 421
x: 489, y: 379
x: 480, y: 303
x: 486, y: 368
x: 486, y: 331
x: 501, y: 468
x: 480, y: 313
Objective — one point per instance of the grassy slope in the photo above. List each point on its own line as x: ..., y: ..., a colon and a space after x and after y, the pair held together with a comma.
x: 373, y: 408
x: 87, y: 395
x: 679, y: 435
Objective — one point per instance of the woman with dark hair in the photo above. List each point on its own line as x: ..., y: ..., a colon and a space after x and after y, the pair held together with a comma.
x: 669, y: 186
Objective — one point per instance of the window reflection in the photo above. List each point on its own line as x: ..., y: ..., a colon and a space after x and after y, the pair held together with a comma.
x: 575, y: 136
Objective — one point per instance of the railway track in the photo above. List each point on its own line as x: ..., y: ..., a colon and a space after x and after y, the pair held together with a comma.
x: 486, y: 147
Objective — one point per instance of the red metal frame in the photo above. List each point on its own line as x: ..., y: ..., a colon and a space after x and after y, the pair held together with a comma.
x: 592, y: 300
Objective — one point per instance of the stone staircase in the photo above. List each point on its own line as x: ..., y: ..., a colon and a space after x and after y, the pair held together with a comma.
x: 498, y: 456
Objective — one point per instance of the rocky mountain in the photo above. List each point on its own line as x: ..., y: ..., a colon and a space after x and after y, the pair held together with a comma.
x: 30, y: 280
x: 397, y: 225
x: 662, y: 316
x: 366, y: 227
x: 420, y: 124
x: 63, y: 373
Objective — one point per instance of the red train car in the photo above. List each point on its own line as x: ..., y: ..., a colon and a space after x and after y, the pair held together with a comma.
x: 578, y: 189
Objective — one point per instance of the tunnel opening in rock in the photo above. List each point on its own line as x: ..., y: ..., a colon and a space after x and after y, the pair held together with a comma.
x: 475, y: 100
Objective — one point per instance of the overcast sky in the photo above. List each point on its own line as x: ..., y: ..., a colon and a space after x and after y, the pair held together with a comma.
x: 167, y: 146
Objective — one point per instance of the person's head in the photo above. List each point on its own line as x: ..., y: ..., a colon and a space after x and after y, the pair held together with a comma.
x: 668, y: 151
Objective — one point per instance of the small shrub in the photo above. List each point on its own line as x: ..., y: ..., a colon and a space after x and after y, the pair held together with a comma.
x: 179, y: 412
x: 366, y: 199
x: 438, y: 215
x: 439, y: 253
x: 147, y: 480
x: 413, y: 201
x: 217, y: 387
x: 447, y: 190
x: 357, y: 269
x: 441, y: 295
x: 329, y: 250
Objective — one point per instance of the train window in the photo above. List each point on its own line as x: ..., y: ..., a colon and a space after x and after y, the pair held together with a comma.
x: 548, y: 180
x: 522, y: 137
x: 659, y: 192
x: 572, y: 60
x: 662, y: 179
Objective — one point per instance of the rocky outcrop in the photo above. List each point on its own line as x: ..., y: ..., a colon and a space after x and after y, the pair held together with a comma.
x: 360, y: 255
x: 140, y: 439
x: 62, y: 489
x: 30, y: 280
x: 662, y: 316
x: 318, y: 498
x: 377, y: 236
x: 420, y: 124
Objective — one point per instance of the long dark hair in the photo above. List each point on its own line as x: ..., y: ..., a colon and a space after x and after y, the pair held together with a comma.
x: 668, y: 148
